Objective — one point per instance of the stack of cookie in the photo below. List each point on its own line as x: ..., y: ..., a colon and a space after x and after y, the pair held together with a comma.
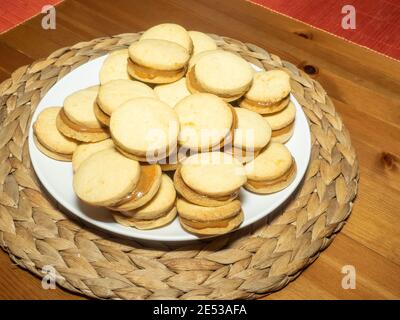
x: 209, y: 185
x: 174, y: 102
x: 269, y: 96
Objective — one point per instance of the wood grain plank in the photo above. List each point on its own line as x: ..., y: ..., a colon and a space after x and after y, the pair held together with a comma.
x: 375, y: 277
x: 11, y: 59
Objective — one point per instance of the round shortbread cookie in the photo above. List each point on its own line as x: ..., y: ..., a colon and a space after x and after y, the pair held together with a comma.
x: 265, y: 109
x: 49, y: 137
x: 273, y: 186
x: 78, y: 107
x: 105, y: 177
x: 201, y: 42
x: 146, y: 224
x: 269, y: 86
x: 213, y: 173
x: 273, y: 162
x: 115, y: 67
x: 195, y: 212
x: 283, y: 137
x: 283, y: 118
x: 145, y: 126
x: 51, y: 154
x: 170, y: 32
x: 205, y: 120
x: 252, y: 131
x: 199, y: 199
x: 172, y: 93
x: 158, y: 54
x: 85, y: 135
x: 223, y: 73
x: 85, y: 150
x: 161, y: 203
x: 230, y: 224
x: 145, y: 190
x: 116, y: 92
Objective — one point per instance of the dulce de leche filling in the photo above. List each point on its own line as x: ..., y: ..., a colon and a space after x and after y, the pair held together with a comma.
x: 206, y: 224
x: 264, y: 104
x: 148, y: 176
x: 268, y: 183
x: 76, y: 126
x: 284, y: 130
x: 148, y: 73
x: 197, y: 86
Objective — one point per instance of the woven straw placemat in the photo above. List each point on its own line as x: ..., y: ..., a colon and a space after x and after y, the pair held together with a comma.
x: 248, y: 263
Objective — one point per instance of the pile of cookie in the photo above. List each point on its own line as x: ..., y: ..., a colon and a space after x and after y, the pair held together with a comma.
x: 176, y: 126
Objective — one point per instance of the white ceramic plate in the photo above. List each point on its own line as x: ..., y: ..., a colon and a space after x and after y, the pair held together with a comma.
x: 56, y: 176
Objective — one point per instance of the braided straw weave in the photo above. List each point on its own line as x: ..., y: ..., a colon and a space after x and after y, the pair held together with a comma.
x: 245, y: 264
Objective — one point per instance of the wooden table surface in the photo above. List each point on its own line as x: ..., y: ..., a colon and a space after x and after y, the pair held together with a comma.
x: 364, y: 86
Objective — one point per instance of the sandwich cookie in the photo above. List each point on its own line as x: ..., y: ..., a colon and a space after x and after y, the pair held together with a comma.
x: 206, y: 122
x: 145, y: 189
x: 157, y: 61
x: 145, y: 129
x: 272, y: 170
x: 170, y: 32
x: 115, y: 67
x: 222, y: 73
x: 209, y: 220
x: 282, y: 123
x: 77, y: 119
x: 268, y: 93
x: 202, y: 42
x: 49, y: 140
x: 210, y: 179
x: 106, y: 177
x: 252, y: 133
x: 172, y: 93
x: 158, y: 212
x: 114, y: 93
x: 85, y: 150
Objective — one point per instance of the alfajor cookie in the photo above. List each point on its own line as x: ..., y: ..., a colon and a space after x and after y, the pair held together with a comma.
x: 209, y: 220
x: 145, y: 129
x: 145, y: 189
x: 272, y: 170
x: 252, y: 133
x: 206, y: 122
x: 115, y: 67
x: 85, y: 150
x: 114, y: 93
x: 282, y: 123
x: 158, y: 212
x: 106, y: 177
x: 157, y: 61
x: 268, y: 93
x: 77, y: 119
x: 222, y: 73
x: 202, y: 42
x: 49, y: 140
x: 210, y: 179
x: 172, y: 93
x: 170, y: 32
